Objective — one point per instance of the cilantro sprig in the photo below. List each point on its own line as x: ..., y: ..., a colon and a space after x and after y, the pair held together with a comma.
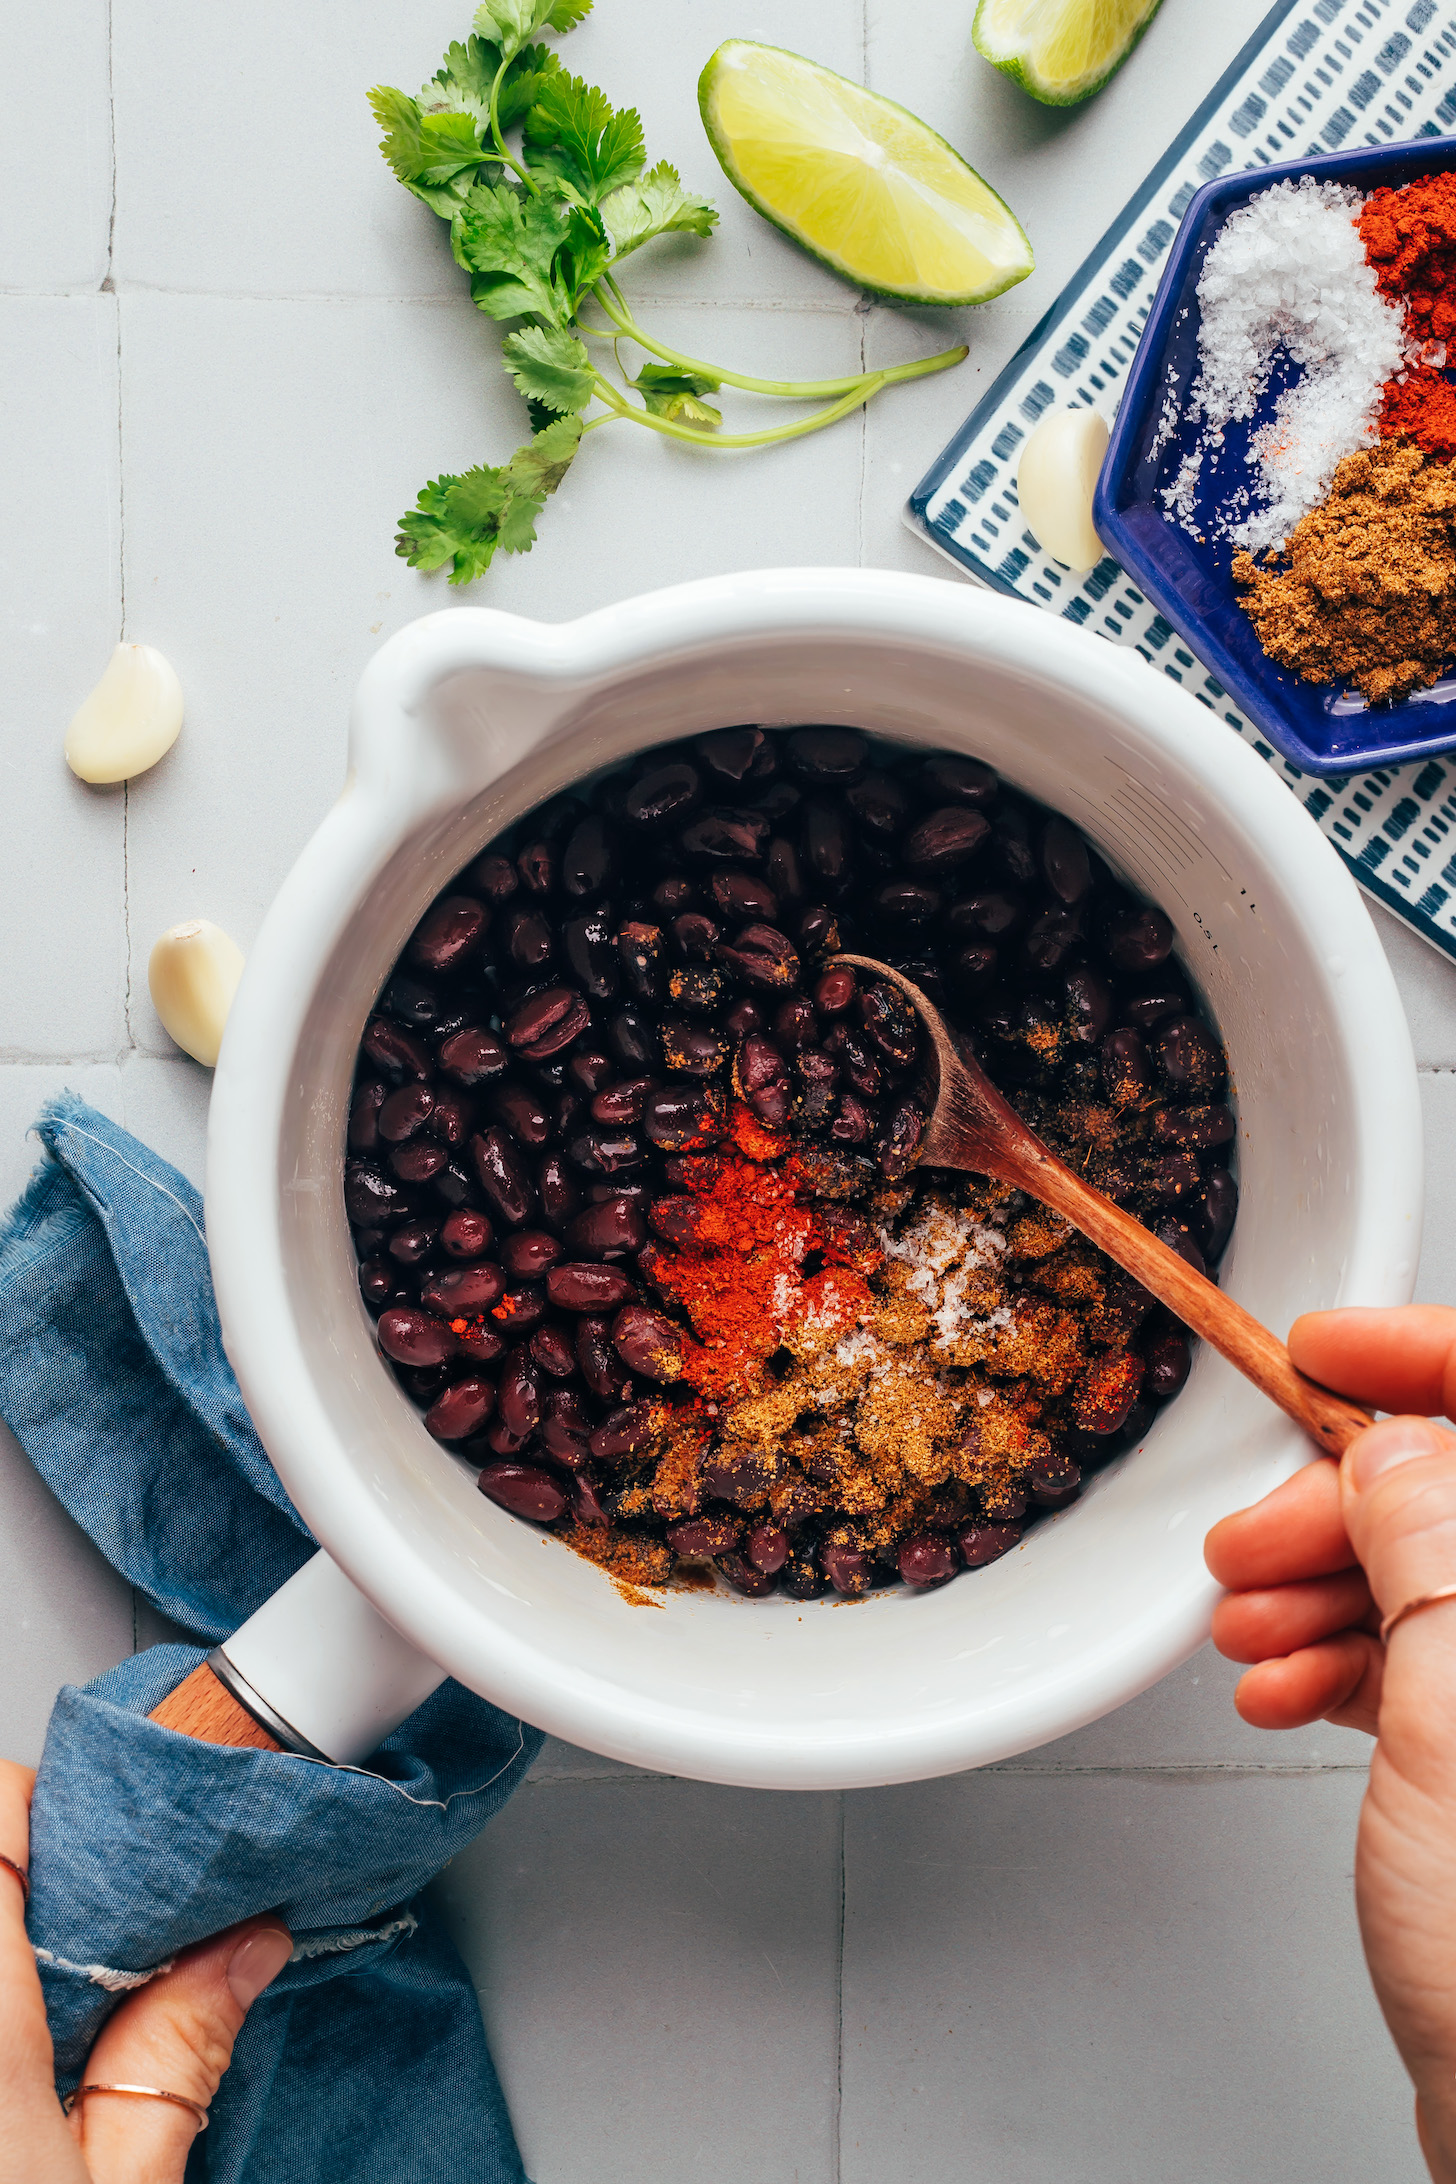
x: 547, y: 190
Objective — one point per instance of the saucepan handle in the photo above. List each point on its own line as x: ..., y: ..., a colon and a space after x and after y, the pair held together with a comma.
x: 316, y: 1670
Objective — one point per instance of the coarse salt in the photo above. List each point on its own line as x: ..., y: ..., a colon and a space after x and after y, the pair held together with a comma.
x: 1287, y: 273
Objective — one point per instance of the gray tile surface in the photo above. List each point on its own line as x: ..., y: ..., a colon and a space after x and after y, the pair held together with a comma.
x: 1127, y: 1957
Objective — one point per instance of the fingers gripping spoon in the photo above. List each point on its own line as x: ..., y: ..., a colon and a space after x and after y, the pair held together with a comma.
x: 973, y: 1127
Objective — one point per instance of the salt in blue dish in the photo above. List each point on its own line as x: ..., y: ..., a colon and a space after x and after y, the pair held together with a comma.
x: 1321, y: 728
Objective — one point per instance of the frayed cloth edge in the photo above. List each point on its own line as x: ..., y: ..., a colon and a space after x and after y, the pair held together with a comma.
x: 102, y: 1975
x: 118, y: 1982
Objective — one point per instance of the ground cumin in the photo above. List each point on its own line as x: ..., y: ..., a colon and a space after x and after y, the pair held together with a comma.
x: 1364, y: 591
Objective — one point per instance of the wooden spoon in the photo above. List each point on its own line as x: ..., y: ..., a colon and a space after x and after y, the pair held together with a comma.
x: 971, y: 1126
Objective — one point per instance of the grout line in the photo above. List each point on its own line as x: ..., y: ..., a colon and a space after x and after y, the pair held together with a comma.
x: 836, y: 2121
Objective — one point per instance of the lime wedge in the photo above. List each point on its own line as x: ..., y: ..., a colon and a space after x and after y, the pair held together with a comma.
x: 865, y: 187
x: 1061, y: 51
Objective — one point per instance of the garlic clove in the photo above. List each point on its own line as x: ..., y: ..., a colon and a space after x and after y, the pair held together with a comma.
x: 193, y: 974
x: 130, y: 720
x: 1056, y: 480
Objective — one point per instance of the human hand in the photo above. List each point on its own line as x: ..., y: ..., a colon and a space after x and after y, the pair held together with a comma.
x: 177, y: 2032
x: 1311, y: 1571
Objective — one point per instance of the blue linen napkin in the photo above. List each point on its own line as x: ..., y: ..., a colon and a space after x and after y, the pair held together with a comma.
x: 365, y: 2062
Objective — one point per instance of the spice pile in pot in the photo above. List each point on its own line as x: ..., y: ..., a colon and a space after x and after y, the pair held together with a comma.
x: 632, y: 1165
x: 1346, y: 485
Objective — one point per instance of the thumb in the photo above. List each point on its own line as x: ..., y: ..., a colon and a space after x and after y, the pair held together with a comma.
x: 1398, y: 1497
x: 175, y: 2034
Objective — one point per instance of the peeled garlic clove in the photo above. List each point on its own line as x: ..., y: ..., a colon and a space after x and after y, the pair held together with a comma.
x: 131, y: 718
x: 193, y: 974
x: 1055, y: 483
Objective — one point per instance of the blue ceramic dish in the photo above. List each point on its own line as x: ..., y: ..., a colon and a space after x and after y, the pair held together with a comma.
x: 1323, y: 729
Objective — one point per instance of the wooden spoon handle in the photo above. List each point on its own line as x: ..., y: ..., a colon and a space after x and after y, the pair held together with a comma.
x: 203, y: 1707
x: 1329, y: 1419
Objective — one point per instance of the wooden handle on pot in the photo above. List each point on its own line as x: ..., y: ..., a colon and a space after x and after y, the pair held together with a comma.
x: 204, y: 1708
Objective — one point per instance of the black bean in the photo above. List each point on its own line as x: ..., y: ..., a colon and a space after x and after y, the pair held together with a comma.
x: 767, y: 1548
x: 589, y: 860
x: 535, y: 1028
x: 1140, y: 939
x: 1065, y: 864
x: 450, y: 933
x: 585, y: 1285
x: 452, y: 1117
x: 1126, y: 1070
x: 639, y: 950
x: 616, y: 1225
x: 405, y: 1112
x: 1220, y: 1204
x: 1010, y: 852
x: 857, y: 1063
x: 464, y: 1292
x: 1089, y: 1005
x: 1055, y: 1481
x: 742, y: 897
x: 473, y: 1056
x: 589, y: 1070
x: 983, y: 1543
x: 417, y: 1161
x: 955, y: 780
x: 1178, y: 1235
x: 781, y: 869
x: 409, y: 1001
x: 537, y: 867
x: 675, y: 894
x: 835, y: 990
x: 558, y: 1190
x: 663, y: 797
x: 1173, y: 1177
x: 973, y: 970
x: 761, y: 956
x: 777, y: 802
x: 516, y: 1106
x: 590, y: 948
x: 726, y: 837
x: 635, y: 1041
x: 492, y: 877
x: 526, y: 1255
x: 943, y: 842
x: 1189, y: 1056
x: 731, y: 755
x: 466, y: 1234
x: 1050, y: 939
x: 499, y: 1437
x: 905, y: 902
x: 1167, y: 1358
x: 461, y: 1409
x: 524, y: 1489
x: 697, y: 988
x: 926, y: 1559
x: 848, y: 1569
x: 412, y: 1241
x: 819, y: 931
x: 899, y: 1146
x: 881, y: 805
x: 415, y: 1338
x: 682, y: 1119
x: 396, y: 1051
x: 483, y: 1342
x: 624, y: 1432
x: 550, y: 1348
x: 695, y: 936
x: 1198, y: 1128
x: 891, y: 1023
x: 648, y: 1342
x: 745, y: 1577
x: 828, y: 842
x: 518, y: 1394
x: 605, y: 1151
x: 690, y: 1049
x: 503, y: 1175
x: 993, y: 913
x: 831, y: 757
x: 699, y: 1539
x: 1143, y: 1010
x: 802, y: 1579
x: 371, y: 1197
x: 364, y: 1116
x: 377, y: 1281
x: 620, y: 1104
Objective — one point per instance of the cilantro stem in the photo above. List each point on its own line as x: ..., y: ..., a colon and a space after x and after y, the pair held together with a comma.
x: 495, y: 129
x: 614, y: 303
x: 859, y: 392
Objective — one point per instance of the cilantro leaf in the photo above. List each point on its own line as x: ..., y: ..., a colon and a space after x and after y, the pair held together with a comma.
x: 522, y: 83
x: 465, y: 520
x: 549, y: 367
x: 575, y: 136
x: 583, y: 257
x: 511, y: 22
x: 670, y: 393
x: 425, y: 150
x: 508, y: 245
x: 657, y: 205
x: 543, y: 462
x: 461, y: 84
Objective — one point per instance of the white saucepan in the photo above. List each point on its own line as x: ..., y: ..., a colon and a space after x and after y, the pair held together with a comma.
x: 462, y: 723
